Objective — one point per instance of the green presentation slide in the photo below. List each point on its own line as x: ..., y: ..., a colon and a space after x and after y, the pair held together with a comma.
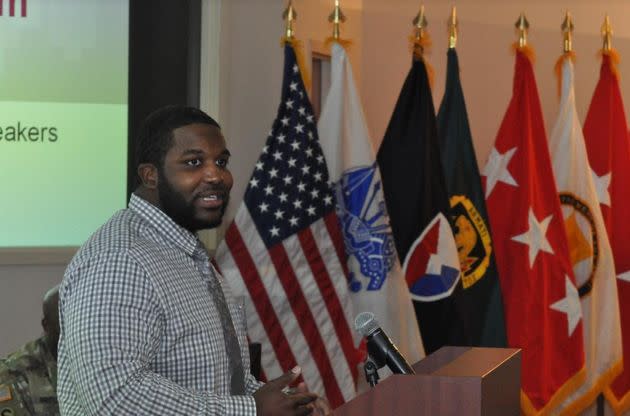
x: 63, y: 119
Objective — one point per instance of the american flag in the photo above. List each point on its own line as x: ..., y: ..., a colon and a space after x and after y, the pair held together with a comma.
x: 284, y: 254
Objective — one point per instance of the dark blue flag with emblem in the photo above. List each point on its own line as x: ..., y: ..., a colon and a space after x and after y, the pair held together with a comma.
x: 418, y: 206
x: 479, y: 302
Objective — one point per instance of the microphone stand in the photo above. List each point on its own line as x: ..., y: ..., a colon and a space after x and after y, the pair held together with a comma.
x: 371, y: 371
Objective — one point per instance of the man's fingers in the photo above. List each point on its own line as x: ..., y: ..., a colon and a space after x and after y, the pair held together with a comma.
x: 303, y: 411
x: 287, y: 378
x: 321, y: 407
x: 301, y: 399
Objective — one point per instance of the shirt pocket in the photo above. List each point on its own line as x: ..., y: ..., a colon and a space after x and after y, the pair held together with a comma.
x: 192, y: 319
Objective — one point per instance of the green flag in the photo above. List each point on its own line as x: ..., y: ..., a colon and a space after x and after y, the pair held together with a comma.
x: 479, y: 303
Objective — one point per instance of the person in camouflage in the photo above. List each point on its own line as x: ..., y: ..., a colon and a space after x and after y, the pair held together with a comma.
x: 28, y: 377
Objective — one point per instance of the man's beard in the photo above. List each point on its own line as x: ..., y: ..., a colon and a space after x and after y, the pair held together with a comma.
x: 182, y: 211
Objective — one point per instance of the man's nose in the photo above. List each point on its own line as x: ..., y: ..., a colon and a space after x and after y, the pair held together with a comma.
x: 212, y: 173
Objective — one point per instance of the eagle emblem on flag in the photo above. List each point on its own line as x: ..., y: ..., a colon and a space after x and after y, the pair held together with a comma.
x: 365, y: 227
x: 472, y: 239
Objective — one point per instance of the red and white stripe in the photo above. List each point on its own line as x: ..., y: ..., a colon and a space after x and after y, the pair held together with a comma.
x: 298, y: 303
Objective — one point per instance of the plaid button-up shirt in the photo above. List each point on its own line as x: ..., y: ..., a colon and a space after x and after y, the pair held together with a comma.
x: 140, y: 334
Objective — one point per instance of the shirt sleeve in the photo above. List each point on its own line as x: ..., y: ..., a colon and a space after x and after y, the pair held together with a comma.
x: 252, y: 384
x: 112, y: 324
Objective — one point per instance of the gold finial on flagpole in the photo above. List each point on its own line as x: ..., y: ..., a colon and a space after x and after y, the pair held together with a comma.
x: 567, y: 33
x: 607, y: 34
x: 289, y: 15
x: 452, y: 29
x: 522, y: 25
x: 420, y: 24
x: 336, y: 18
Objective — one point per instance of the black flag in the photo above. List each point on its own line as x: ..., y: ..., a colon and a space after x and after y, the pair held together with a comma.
x: 417, y: 201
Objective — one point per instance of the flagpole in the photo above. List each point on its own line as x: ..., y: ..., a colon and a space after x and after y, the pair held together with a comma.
x: 452, y: 29
x: 289, y: 15
x: 421, y: 41
x: 421, y: 36
x: 607, y: 34
x: 567, y: 33
x: 522, y: 26
x: 567, y: 48
x: 607, y: 48
x: 336, y: 18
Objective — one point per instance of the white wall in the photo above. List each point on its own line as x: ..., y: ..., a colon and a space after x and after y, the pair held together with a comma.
x: 22, y: 289
x: 251, y: 70
x: 486, y: 62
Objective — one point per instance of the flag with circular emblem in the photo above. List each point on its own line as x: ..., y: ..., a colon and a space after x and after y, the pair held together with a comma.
x: 482, y: 321
x: 589, y: 248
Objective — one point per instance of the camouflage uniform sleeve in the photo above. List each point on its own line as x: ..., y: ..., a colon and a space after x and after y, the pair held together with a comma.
x: 25, y: 383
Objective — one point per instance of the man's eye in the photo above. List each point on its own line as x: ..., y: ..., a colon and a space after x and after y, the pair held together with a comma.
x: 222, y: 162
x: 193, y: 162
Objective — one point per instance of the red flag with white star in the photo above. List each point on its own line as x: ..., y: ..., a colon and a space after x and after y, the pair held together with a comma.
x: 605, y: 133
x: 542, y: 305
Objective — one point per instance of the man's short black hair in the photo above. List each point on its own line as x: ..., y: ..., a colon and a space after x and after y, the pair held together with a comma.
x: 156, y: 132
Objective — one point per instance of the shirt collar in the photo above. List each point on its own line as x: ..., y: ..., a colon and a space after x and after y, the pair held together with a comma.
x: 164, y: 224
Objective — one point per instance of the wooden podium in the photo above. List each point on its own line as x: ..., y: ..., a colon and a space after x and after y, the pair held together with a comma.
x: 458, y: 381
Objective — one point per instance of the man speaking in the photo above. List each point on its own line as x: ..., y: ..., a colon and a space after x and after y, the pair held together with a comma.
x: 148, y: 326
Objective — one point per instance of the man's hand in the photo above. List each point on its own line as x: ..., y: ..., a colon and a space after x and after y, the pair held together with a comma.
x: 273, y: 400
x: 321, y: 407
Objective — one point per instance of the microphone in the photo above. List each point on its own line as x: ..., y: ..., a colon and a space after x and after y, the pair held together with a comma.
x: 380, y: 348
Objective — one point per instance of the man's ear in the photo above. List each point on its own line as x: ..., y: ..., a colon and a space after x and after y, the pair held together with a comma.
x: 148, y: 174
